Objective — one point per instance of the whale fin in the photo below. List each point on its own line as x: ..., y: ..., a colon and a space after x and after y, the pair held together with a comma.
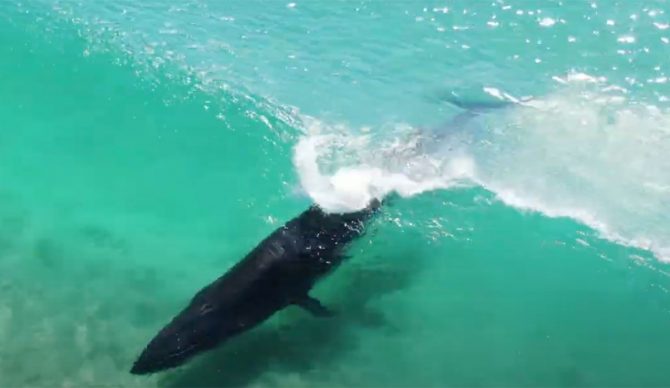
x: 314, y: 307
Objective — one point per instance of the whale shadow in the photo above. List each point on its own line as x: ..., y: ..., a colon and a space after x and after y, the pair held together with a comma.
x: 301, y: 343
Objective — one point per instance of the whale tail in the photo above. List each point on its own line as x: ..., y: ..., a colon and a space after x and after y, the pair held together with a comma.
x: 483, y: 103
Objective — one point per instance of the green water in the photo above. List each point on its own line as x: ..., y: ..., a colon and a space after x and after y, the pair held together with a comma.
x: 127, y: 185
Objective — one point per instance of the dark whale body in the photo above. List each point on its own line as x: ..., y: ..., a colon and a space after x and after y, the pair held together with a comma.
x: 279, y: 272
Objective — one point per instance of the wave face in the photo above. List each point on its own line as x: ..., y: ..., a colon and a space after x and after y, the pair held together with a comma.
x: 305, y: 67
x: 146, y: 147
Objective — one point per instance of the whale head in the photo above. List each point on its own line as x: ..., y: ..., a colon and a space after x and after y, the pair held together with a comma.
x: 199, y: 327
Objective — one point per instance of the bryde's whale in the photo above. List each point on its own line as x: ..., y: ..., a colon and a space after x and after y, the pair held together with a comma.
x: 279, y: 272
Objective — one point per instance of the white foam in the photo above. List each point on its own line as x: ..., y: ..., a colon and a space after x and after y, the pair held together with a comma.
x: 352, y: 184
x: 588, y: 153
x: 584, y: 152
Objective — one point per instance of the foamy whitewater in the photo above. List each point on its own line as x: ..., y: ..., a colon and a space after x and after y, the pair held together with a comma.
x: 585, y: 151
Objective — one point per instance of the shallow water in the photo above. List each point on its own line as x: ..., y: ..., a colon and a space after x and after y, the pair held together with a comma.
x: 144, y: 149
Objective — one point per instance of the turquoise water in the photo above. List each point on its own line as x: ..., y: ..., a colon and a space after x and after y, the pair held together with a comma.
x: 144, y: 149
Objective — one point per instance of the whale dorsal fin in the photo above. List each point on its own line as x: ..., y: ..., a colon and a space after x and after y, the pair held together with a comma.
x: 314, y: 307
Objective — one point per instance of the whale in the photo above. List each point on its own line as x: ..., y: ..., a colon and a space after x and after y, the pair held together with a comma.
x: 279, y: 272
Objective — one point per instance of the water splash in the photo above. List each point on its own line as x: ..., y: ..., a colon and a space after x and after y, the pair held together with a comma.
x: 345, y: 172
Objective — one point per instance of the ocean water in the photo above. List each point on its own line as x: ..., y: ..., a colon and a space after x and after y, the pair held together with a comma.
x: 146, y: 147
